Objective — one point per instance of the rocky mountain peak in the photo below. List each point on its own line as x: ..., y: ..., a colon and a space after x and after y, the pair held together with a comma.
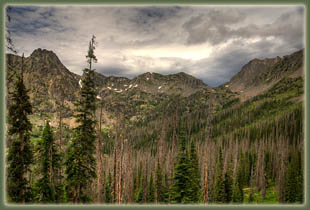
x: 39, y: 51
x: 45, y: 55
x: 257, y: 75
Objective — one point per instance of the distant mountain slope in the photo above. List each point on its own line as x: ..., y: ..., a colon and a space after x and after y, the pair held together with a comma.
x: 145, y: 96
x: 50, y: 82
x: 46, y: 77
x: 259, y: 75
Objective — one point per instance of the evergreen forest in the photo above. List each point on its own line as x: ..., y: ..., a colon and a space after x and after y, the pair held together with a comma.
x: 213, y: 146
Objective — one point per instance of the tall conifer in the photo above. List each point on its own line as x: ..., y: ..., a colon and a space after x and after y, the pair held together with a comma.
x: 151, y: 191
x: 108, y: 189
x: 219, y: 195
x: 180, y: 191
x: 20, y: 155
x: 293, y: 181
x: 228, y: 182
x: 195, y: 175
x: 159, y: 192
x: 80, y: 155
x: 47, y: 187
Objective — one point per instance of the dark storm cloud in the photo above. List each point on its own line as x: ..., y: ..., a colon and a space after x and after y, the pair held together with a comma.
x: 226, y: 66
x: 211, y: 26
x: 214, y: 26
x: 152, y: 15
x: 115, y: 71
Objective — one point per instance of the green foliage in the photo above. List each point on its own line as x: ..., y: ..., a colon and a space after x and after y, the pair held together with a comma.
x: 166, y: 189
x: 159, y: 188
x: 151, y: 191
x: 80, y: 159
x: 244, y: 171
x: 237, y: 192
x: 194, y: 186
x: 294, y: 181
x: 108, y: 189
x: 228, y: 183
x: 48, y: 188
x: 19, y: 155
x: 271, y: 196
x: 259, y: 110
x: 219, y: 195
x: 216, y: 114
x: 139, y: 194
x: 180, y: 191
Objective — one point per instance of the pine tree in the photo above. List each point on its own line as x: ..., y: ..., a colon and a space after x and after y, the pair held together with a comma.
x: 20, y: 155
x: 180, y: 191
x: 299, y: 179
x: 252, y: 186
x: 139, y: 195
x: 195, y: 175
x: 237, y: 193
x: 166, y: 191
x: 159, y: 184
x: 293, y: 181
x: 46, y: 186
x: 80, y: 159
x: 245, y: 174
x: 108, y: 189
x: 228, y: 186
x: 151, y: 191
x: 219, y: 195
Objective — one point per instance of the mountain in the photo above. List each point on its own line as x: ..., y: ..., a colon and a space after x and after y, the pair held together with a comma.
x: 259, y: 75
x: 140, y: 98
x: 46, y: 77
x: 253, y: 123
x: 50, y: 83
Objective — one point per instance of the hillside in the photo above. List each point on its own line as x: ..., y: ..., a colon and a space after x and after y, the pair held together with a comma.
x: 259, y: 75
x: 246, y: 135
x: 50, y: 83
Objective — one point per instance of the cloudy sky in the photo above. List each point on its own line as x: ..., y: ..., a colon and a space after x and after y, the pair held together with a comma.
x: 209, y: 42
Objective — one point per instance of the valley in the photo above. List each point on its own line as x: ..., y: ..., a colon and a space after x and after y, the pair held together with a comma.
x: 241, y: 142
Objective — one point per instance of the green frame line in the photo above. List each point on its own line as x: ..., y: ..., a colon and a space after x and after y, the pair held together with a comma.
x: 306, y: 4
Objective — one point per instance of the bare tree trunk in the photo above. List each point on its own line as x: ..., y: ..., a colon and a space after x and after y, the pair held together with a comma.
x: 99, y: 161
x: 120, y: 177
x: 263, y: 175
x: 115, y: 175
x: 205, y: 195
x: 130, y: 176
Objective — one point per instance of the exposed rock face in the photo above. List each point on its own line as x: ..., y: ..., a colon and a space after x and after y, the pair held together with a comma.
x: 250, y: 72
x: 50, y: 82
x: 258, y: 75
x: 46, y: 77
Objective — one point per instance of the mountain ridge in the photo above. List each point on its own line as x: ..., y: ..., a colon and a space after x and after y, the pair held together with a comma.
x: 260, y: 74
x: 50, y: 81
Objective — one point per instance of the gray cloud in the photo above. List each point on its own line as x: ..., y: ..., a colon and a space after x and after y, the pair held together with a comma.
x: 115, y: 71
x: 209, y: 42
x: 212, y: 25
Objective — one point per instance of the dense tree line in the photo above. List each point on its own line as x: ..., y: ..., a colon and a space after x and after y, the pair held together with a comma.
x: 242, y: 153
